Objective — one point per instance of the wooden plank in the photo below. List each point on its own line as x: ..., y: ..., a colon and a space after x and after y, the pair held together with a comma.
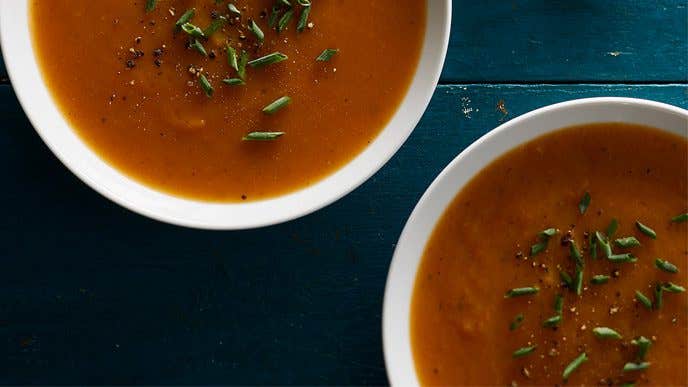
x: 560, y: 40
x: 91, y: 293
x: 533, y: 40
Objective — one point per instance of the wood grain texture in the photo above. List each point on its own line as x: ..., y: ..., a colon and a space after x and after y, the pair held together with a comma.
x: 92, y: 293
x: 564, y: 40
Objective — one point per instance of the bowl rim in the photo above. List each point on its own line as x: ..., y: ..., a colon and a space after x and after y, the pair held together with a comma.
x: 56, y: 132
x: 397, y: 298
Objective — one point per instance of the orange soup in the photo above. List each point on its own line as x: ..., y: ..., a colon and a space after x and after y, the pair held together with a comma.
x: 563, y: 261
x: 174, y: 93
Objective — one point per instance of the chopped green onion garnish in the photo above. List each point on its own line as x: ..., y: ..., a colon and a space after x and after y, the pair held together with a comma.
x: 524, y: 351
x: 193, y: 30
x: 599, y: 279
x: 643, y: 299
x: 604, y: 244
x: 327, y: 54
x: 578, y: 281
x: 262, y: 136
x: 635, y: 366
x: 278, y: 104
x: 673, y: 288
x: 285, y: 2
x: 666, y: 266
x: 592, y: 242
x: 643, y: 344
x: 552, y: 321
x: 274, y: 15
x: 575, y: 253
x: 518, y: 320
x: 303, y: 17
x: 243, y: 60
x: 269, y: 59
x: 627, y: 242
x: 521, y: 291
x: 558, y: 303
x: 566, y: 278
x: 284, y: 20
x: 233, y: 9
x: 584, y: 203
x: 611, y: 229
x: 206, y: 86
x: 550, y: 232
x: 582, y: 358
x: 622, y: 258
x: 198, y: 46
x: 606, y: 333
x: 234, y: 81
x: 646, y: 230
x: 659, y: 296
x: 232, y: 58
x: 680, y: 218
x: 257, y: 32
x: 214, y: 26
x: 185, y: 18
x: 537, y: 248
x: 150, y: 5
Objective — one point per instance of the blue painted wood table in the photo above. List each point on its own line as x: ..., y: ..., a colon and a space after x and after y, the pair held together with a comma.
x: 92, y: 293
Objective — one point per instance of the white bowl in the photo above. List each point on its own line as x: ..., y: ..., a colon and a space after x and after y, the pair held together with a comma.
x: 34, y: 97
x: 396, y: 329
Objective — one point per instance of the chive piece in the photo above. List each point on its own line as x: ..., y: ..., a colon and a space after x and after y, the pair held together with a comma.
x: 150, y: 5
x: 523, y: 351
x: 193, y: 30
x: 243, y: 60
x: 206, y: 86
x: 643, y: 299
x: 611, y: 229
x: 592, y: 242
x: 214, y: 26
x: 232, y: 58
x: 673, y: 288
x: 198, y: 46
x: 233, y: 9
x: 566, y: 279
x: 680, y: 218
x: 234, y: 81
x: 537, y: 248
x: 636, y: 366
x: 666, y: 266
x: 274, y: 15
x: 303, y: 17
x: 582, y: 358
x: 269, y: 59
x: 646, y: 230
x: 578, y: 281
x: 558, y: 303
x: 599, y: 279
x: 575, y: 253
x: 629, y: 384
x: 627, y: 242
x: 304, y: 3
x: 518, y: 320
x: 327, y: 54
x: 521, y: 291
x: 257, y: 32
x: 606, y: 333
x: 185, y: 18
x: 550, y: 232
x: 643, y: 344
x: 584, y: 202
x: 621, y: 258
x: 602, y: 240
x: 659, y: 296
x: 552, y: 321
x: 277, y: 105
x: 262, y: 136
x: 285, y: 3
x: 284, y: 20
